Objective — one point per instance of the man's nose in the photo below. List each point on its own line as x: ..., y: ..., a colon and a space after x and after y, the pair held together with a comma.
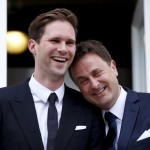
x: 63, y: 48
x: 94, y: 83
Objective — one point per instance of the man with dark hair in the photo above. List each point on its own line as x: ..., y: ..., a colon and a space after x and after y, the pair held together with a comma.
x: 125, y: 112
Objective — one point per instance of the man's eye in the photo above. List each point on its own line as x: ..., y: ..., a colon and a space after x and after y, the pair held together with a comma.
x: 83, y: 81
x: 97, y: 74
x: 54, y: 41
x: 70, y: 43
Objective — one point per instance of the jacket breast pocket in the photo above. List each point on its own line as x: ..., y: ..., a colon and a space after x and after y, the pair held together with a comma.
x: 82, y: 132
x: 141, y: 145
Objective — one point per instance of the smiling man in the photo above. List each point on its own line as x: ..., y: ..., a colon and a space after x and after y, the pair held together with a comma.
x: 125, y: 112
x: 42, y: 113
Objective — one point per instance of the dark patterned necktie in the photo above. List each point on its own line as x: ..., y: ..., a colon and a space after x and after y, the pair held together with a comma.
x: 52, y: 122
x: 109, y: 143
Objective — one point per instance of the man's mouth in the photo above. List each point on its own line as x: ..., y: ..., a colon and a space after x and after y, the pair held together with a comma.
x: 59, y: 59
x: 99, y: 91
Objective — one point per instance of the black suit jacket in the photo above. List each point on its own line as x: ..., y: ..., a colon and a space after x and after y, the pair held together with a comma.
x: 19, y: 129
x: 136, y: 120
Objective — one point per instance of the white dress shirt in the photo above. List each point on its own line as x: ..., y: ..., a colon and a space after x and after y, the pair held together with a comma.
x: 40, y: 96
x: 117, y: 110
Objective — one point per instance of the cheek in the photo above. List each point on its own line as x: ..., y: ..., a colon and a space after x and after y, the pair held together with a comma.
x: 84, y: 89
x: 72, y: 52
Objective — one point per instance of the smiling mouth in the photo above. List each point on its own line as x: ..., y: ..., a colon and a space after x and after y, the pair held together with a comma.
x: 100, y: 91
x: 59, y: 59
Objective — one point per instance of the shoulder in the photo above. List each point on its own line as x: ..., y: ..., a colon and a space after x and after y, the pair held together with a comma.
x: 142, y: 97
x: 77, y: 97
x: 11, y: 91
x: 69, y: 89
x: 73, y: 93
x: 6, y: 91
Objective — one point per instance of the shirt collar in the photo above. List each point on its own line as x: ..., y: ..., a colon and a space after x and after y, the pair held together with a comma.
x: 43, y: 93
x: 118, y: 107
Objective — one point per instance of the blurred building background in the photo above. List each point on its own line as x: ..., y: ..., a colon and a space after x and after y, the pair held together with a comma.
x: 109, y: 21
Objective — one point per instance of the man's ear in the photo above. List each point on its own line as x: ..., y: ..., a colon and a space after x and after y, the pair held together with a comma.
x: 113, y: 66
x: 32, y: 46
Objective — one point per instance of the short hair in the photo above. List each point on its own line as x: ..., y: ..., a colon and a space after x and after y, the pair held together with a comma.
x: 90, y: 46
x: 37, y: 26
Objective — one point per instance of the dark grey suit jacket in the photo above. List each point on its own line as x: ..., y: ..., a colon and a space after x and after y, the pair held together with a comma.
x: 19, y: 129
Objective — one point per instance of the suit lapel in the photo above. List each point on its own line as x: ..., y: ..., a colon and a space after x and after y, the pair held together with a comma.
x: 129, y: 120
x: 70, y: 114
x: 25, y: 112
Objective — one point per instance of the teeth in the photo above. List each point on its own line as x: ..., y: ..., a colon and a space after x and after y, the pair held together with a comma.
x: 59, y: 59
x: 101, y: 90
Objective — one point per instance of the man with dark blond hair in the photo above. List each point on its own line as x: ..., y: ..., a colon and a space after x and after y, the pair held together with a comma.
x: 42, y: 113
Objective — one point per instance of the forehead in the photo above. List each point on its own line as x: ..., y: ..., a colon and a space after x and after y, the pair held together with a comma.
x: 59, y: 29
x: 91, y: 58
x: 65, y: 25
x: 88, y: 63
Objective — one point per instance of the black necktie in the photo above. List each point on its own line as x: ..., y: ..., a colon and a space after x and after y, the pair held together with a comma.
x: 52, y: 122
x: 109, y: 143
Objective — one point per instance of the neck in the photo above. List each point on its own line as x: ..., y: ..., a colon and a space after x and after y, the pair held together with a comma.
x: 49, y: 82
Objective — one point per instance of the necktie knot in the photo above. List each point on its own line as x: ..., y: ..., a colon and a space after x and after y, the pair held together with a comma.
x: 52, y: 98
x: 109, y: 117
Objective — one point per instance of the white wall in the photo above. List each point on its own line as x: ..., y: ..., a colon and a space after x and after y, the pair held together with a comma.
x: 3, y: 49
x: 141, y: 46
